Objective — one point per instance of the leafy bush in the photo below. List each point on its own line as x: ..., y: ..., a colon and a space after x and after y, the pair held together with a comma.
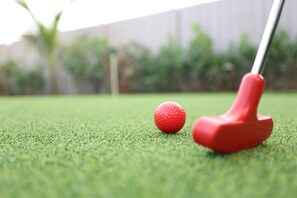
x: 169, y: 67
x: 279, y: 64
x: 201, y: 59
x: 239, y: 60
x: 290, y: 80
x: 173, y: 68
x: 31, y: 81
x: 135, y: 68
x: 278, y: 61
x: 9, y: 72
x: 87, y: 59
x: 15, y: 80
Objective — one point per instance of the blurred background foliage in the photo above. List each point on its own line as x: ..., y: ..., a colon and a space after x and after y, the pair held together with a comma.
x: 172, y: 68
x: 87, y: 60
x: 16, y: 80
x: 136, y: 68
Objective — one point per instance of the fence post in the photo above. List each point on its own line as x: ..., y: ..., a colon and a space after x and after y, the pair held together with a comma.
x: 114, y: 74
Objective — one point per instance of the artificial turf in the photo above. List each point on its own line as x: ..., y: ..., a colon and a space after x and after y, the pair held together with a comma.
x: 102, y: 146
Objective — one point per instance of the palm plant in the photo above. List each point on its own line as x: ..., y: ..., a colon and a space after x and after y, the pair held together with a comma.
x: 46, y: 40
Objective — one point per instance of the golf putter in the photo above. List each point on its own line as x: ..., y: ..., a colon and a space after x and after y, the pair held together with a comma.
x: 241, y: 128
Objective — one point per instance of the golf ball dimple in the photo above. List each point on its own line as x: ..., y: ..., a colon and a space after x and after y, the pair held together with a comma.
x: 170, y: 117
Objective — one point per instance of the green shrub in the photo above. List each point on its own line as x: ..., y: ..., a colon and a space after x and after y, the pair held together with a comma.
x: 239, y: 60
x: 87, y: 59
x: 135, y: 68
x: 9, y: 72
x: 169, y: 69
x: 279, y: 60
x: 290, y: 80
x: 31, y: 81
x: 201, y: 59
x: 173, y: 68
x: 15, y: 80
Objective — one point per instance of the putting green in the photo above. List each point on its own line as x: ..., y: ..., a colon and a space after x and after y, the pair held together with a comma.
x: 99, y: 146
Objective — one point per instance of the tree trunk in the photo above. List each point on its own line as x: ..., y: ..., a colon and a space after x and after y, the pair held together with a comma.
x: 53, y: 73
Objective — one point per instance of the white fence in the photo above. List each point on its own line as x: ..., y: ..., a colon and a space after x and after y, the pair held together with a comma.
x: 224, y: 21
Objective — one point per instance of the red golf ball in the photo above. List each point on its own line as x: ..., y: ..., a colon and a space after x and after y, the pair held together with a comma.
x: 170, y: 117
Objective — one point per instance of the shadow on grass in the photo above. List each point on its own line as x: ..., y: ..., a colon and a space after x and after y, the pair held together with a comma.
x: 171, y: 134
x: 180, y: 134
x: 263, y: 148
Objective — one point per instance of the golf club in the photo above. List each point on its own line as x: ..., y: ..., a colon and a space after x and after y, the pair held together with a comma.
x: 241, y: 128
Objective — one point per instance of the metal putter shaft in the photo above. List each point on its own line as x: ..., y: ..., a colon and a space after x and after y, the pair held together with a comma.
x: 267, y: 37
x: 241, y: 128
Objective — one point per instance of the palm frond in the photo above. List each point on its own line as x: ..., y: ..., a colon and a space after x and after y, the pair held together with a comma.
x: 24, y: 4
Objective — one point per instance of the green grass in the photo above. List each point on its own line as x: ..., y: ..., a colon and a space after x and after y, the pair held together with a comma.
x: 99, y: 146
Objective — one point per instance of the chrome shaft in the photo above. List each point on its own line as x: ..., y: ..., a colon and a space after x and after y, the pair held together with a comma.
x: 267, y: 37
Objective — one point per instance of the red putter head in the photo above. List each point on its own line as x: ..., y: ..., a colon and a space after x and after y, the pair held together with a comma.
x: 240, y: 128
